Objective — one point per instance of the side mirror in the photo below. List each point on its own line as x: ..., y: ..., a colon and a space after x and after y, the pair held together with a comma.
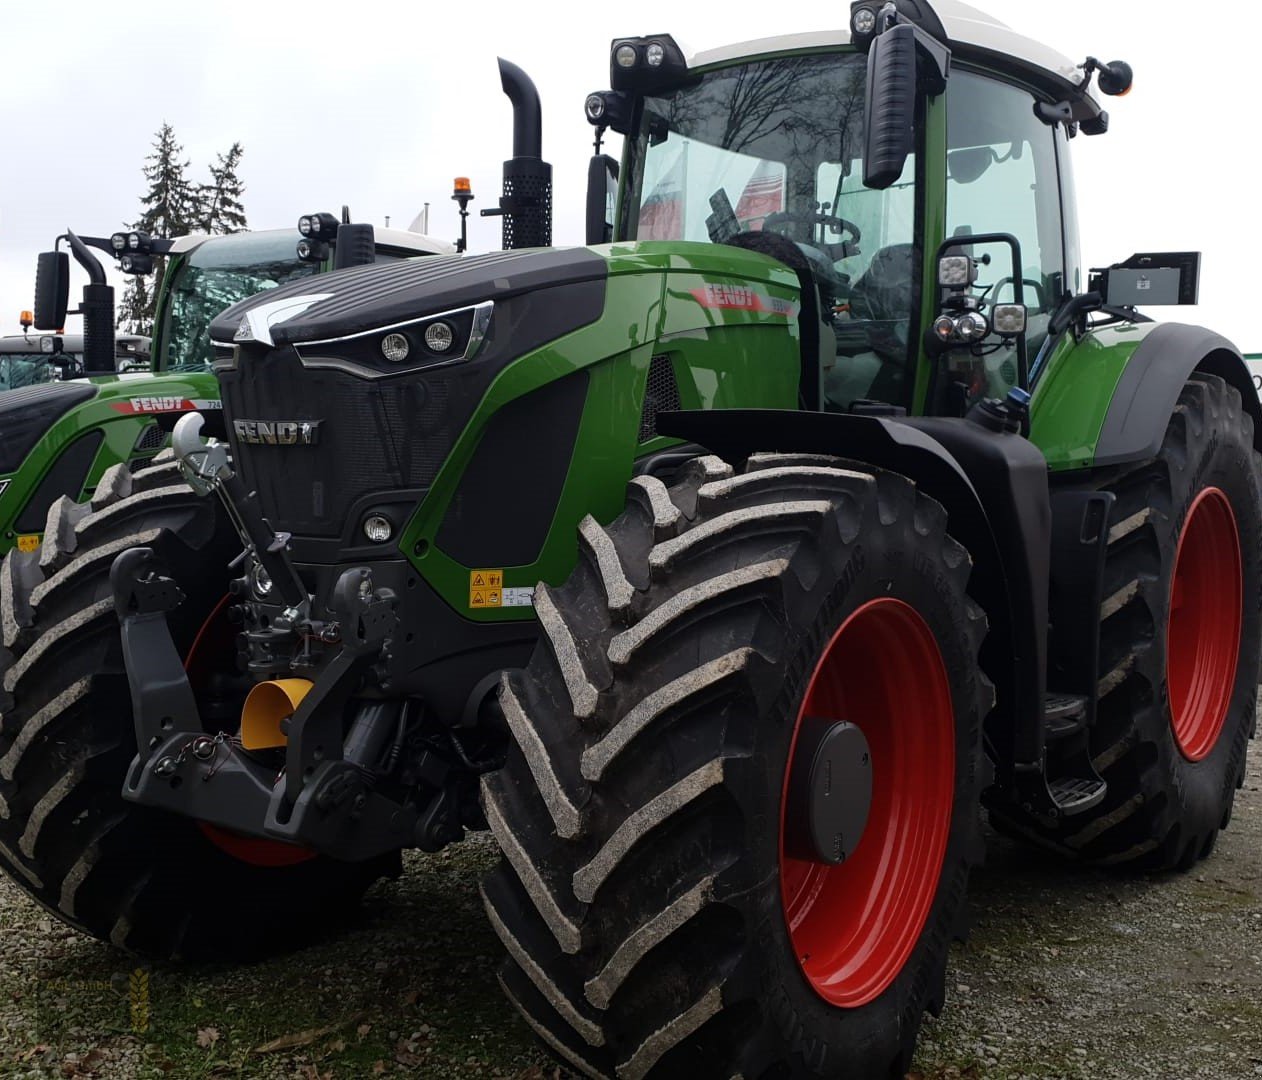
x: 890, y: 108
x: 904, y: 60
x: 52, y: 290
x: 602, y: 195
x: 356, y: 245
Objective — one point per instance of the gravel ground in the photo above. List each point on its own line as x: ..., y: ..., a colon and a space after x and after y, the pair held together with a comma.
x: 1069, y: 975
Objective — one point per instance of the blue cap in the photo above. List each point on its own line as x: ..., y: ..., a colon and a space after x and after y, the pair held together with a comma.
x: 1018, y: 397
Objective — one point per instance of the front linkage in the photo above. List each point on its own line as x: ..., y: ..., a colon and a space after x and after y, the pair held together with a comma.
x: 291, y: 774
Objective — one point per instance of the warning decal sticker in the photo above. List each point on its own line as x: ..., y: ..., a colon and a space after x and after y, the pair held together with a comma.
x: 486, y: 590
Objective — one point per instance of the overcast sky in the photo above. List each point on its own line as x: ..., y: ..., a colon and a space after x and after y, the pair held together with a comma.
x: 379, y: 105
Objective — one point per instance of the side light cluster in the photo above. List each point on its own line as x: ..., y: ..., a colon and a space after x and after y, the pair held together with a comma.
x: 133, y: 251
x: 645, y: 64
x: 968, y: 327
x: 317, y: 231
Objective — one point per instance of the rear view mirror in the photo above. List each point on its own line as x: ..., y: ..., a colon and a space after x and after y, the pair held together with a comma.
x: 967, y: 166
x: 52, y: 290
x: 890, y: 109
x: 602, y: 195
x: 356, y: 245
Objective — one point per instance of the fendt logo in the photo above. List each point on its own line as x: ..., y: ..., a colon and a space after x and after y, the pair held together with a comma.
x: 278, y: 432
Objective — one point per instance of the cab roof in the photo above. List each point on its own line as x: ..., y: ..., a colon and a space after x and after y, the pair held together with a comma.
x: 417, y: 243
x: 972, y: 35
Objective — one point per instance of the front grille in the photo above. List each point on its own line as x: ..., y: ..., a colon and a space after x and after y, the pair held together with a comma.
x: 375, y: 436
x: 661, y: 394
x: 152, y: 438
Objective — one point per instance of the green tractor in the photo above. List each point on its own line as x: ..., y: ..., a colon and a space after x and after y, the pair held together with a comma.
x: 859, y: 503
x: 61, y: 437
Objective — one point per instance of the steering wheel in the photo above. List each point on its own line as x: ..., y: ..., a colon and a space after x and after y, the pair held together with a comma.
x: 848, y: 229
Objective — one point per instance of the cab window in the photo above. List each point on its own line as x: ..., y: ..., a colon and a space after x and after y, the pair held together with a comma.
x: 1002, y: 177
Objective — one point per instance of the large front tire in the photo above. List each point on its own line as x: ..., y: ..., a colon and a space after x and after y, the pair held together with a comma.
x: 146, y: 880
x: 654, y: 922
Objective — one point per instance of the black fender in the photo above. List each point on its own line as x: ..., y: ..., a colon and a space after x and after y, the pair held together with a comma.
x: 1009, y: 544
x: 1149, y: 388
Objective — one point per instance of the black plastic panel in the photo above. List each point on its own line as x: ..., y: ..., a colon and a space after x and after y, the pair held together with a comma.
x: 66, y: 477
x: 507, y: 497
x: 28, y: 412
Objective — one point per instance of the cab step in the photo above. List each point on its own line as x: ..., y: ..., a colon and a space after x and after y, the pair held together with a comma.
x: 1063, y: 715
x: 1074, y: 795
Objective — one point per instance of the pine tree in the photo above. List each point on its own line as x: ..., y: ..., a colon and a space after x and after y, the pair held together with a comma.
x: 170, y: 207
x: 222, y: 210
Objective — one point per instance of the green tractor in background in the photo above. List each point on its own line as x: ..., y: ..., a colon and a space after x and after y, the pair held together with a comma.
x: 27, y: 359
x: 61, y: 437
x: 858, y: 502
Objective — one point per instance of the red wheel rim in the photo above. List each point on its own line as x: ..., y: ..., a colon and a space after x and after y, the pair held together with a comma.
x: 1203, y: 632
x: 214, y: 637
x: 853, y: 926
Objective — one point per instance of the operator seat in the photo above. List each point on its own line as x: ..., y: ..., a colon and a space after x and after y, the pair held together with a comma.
x: 884, y: 291
x: 818, y: 342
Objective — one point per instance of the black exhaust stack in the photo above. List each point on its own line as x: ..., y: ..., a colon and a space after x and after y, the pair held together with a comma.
x: 526, y: 204
x: 97, y: 310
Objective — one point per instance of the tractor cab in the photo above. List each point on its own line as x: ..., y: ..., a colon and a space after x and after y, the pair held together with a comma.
x: 770, y: 145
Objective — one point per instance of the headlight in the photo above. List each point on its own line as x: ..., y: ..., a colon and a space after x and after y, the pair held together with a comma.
x: 118, y: 241
x: 439, y: 337
x: 1009, y: 319
x: 956, y: 272
x: 863, y: 22
x: 654, y: 54
x: 625, y: 56
x: 972, y: 326
x: 377, y: 528
x: 395, y: 348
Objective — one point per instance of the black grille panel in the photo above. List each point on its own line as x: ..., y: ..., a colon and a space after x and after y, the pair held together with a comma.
x: 152, y: 438
x: 660, y: 395
x: 373, y: 437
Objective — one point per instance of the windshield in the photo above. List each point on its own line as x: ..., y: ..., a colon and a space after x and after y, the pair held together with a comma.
x: 24, y: 369
x: 223, y: 270
x: 776, y: 146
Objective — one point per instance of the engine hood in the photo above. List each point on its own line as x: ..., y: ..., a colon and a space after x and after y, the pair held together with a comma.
x: 366, y: 298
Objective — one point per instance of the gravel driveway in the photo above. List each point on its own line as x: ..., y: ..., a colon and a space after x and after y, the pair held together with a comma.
x: 1069, y: 974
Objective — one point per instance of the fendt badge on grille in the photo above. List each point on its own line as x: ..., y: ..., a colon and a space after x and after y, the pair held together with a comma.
x: 278, y: 432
